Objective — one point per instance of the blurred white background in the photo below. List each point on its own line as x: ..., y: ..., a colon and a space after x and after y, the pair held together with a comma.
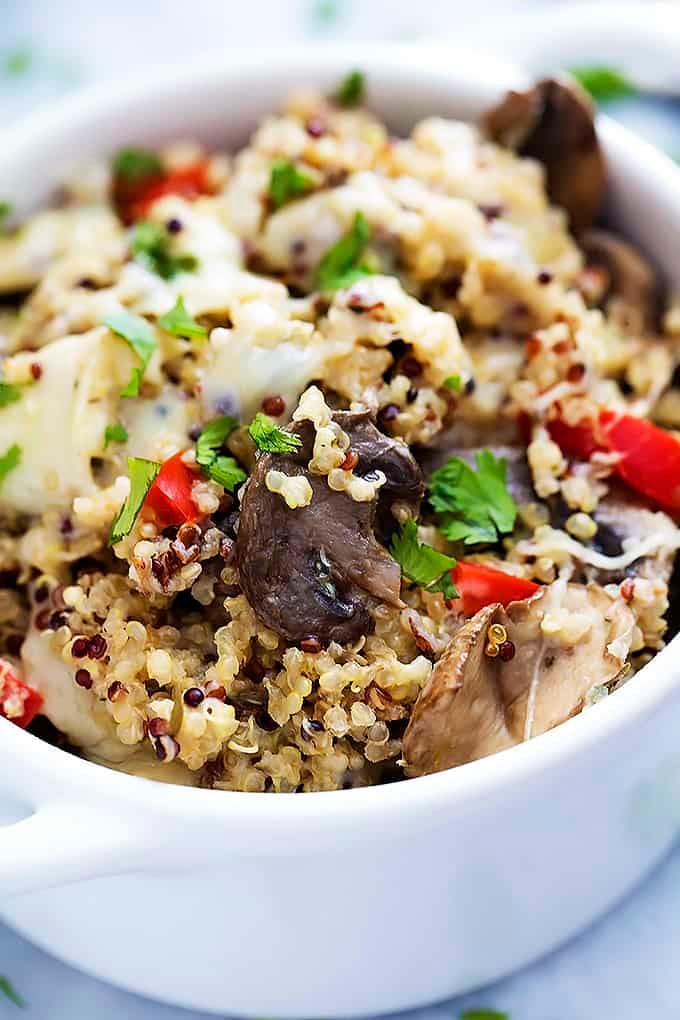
x: 626, y: 967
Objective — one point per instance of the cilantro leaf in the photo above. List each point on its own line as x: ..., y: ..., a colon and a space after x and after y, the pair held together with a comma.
x: 115, y: 434
x: 483, y: 1014
x: 178, y: 322
x: 453, y: 382
x: 212, y: 438
x: 9, y: 393
x: 476, y: 504
x: 603, y: 83
x: 226, y: 471
x: 268, y: 437
x: 150, y: 244
x: 142, y: 474
x: 421, y: 563
x: 8, y: 990
x: 134, y: 164
x: 138, y: 334
x: 9, y: 461
x: 341, y: 266
x: 286, y: 182
x: 350, y: 91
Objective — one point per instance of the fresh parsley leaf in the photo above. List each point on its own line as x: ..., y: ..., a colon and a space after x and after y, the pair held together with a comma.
x: 212, y: 438
x: 286, y: 182
x: 139, y: 335
x: 115, y: 434
x: 483, y: 1014
x: 9, y: 460
x: 603, y: 83
x: 9, y: 394
x: 341, y: 266
x: 476, y: 504
x: 226, y: 471
x: 268, y: 437
x: 350, y: 91
x: 421, y: 563
x: 178, y: 322
x: 150, y: 244
x: 142, y: 474
x: 454, y: 383
x: 134, y: 164
x: 8, y: 990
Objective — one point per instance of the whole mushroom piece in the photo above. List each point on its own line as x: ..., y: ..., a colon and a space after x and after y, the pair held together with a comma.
x: 631, y: 280
x: 315, y: 571
x: 553, y: 122
x: 475, y: 703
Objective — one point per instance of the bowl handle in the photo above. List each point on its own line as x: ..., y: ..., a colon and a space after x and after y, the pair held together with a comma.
x: 62, y: 843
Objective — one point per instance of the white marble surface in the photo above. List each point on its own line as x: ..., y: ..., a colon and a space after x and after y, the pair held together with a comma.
x: 627, y: 965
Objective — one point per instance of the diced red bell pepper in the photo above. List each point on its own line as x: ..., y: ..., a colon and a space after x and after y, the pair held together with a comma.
x: 135, y: 198
x: 649, y: 457
x: 479, y: 586
x: 18, y: 702
x: 169, y: 498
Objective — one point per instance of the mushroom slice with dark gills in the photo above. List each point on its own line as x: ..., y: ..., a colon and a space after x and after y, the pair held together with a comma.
x: 632, y: 287
x: 482, y: 697
x: 315, y: 571
x: 553, y: 122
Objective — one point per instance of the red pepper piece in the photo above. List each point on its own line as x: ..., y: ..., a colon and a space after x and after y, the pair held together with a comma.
x: 169, y: 498
x: 480, y: 585
x: 18, y: 702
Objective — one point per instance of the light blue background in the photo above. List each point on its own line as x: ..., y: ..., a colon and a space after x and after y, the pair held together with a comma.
x: 626, y: 967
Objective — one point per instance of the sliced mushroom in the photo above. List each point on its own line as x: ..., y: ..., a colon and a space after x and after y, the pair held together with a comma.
x: 474, y: 704
x: 631, y: 280
x: 620, y: 518
x: 314, y: 572
x: 553, y: 122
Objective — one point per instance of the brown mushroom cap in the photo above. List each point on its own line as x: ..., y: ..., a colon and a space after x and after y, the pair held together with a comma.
x: 474, y: 705
x: 632, y: 280
x: 315, y: 571
x: 553, y: 122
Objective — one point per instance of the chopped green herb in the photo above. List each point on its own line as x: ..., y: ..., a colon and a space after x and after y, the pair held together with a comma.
x: 8, y: 990
x: 17, y: 61
x: 178, y: 322
x: 142, y: 474
x: 9, y: 460
x: 139, y: 335
x: 604, y: 83
x: 267, y: 435
x: 421, y: 563
x: 341, y: 266
x: 286, y: 182
x: 483, y: 1014
x: 115, y: 434
x: 151, y: 248
x: 134, y: 164
x: 454, y: 383
x: 9, y: 394
x: 475, y: 504
x: 226, y: 471
x: 212, y: 438
x: 350, y: 91
x: 5, y: 211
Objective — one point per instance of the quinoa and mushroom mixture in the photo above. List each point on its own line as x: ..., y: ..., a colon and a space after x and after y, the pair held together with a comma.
x: 335, y: 460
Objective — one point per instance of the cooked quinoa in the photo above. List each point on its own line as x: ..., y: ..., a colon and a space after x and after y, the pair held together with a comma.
x: 318, y: 460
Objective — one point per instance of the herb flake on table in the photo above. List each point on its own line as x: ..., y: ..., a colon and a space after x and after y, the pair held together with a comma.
x: 142, y: 476
x: 7, y: 989
x: 342, y: 264
x: 17, y: 61
x: 5, y: 212
x: 351, y: 90
x: 603, y: 83
x: 178, y: 322
x: 150, y: 244
x: 9, y: 461
x: 474, y: 503
x: 137, y: 332
x: 421, y: 563
x: 287, y: 182
x: 270, y: 438
x: 483, y: 1014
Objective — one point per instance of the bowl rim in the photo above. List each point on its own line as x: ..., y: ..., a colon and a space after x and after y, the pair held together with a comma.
x: 637, y: 700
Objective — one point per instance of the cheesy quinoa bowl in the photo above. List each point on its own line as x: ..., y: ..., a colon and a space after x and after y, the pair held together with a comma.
x: 340, y: 459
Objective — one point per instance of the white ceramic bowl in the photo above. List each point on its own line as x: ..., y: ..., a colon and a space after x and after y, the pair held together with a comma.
x: 369, y: 900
